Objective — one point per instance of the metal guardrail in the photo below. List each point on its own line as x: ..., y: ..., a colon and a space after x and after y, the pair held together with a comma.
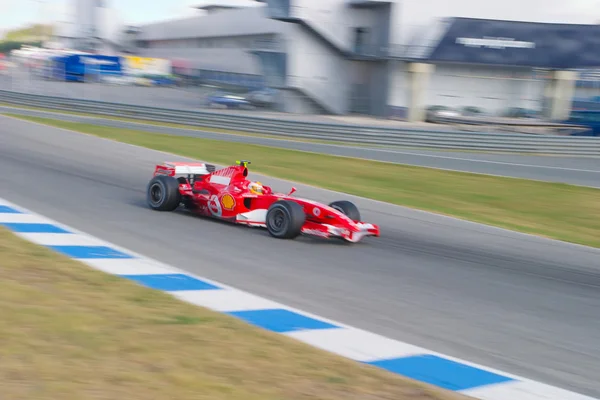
x: 513, y: 125
x: 342, y: 133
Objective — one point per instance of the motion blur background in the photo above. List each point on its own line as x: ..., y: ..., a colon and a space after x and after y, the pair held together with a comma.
x: 517, y: 303
x: 407, y: 60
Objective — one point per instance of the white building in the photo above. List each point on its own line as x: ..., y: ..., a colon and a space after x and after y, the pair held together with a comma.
x: 359, y: 56
x: 93, y: 26
x: 338, y: 70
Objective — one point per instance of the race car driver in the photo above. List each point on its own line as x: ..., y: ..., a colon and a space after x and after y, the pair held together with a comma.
x: 256, y: 188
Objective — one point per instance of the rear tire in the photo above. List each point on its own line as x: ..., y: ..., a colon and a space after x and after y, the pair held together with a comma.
x: 285, y: 219
x: 163, y: 193
x: 347, y: 208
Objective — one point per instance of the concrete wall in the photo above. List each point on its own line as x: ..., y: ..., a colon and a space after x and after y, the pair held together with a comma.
x: 493, y: 89
x: 399, y: 86
x: 221, y: 42
x: 336, y: 21
x: 297, y: 103
x: 226, y: 53
x: 238, y: 61
x: 317, y: 71
x: 380, y: 88
x: 369, y: 86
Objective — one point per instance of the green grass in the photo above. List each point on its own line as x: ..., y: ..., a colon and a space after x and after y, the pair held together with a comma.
x: 141, y: 120
x: 554, y: 210
x: 70, y: 332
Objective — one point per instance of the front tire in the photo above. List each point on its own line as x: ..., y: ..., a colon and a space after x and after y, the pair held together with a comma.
x: 163, y: 193
x: 285, y: 219
x: 348, y: 208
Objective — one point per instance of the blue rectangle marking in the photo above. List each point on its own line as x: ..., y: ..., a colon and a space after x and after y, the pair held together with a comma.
x: 441, y: 372
x: 9, y: 210
x: 280, y: 320
x: 90, y: 252
x: 171, y: 282
x: 23, y: 227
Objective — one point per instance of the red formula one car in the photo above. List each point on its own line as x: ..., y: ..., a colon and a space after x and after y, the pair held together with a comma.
x: 229, y: 195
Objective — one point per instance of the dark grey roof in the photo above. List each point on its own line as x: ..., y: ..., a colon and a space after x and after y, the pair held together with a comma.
x: 238, y: 61
x: 517, y: 43
x: 216, y: 7
x: 237, y: 22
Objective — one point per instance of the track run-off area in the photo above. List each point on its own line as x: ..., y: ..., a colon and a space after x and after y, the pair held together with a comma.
x: 581, y: 171
x: 513, y: 302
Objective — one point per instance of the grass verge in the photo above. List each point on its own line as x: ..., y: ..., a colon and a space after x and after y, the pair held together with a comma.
x: 70, y: 332
x: 141, y: 120
x: 554, y: 210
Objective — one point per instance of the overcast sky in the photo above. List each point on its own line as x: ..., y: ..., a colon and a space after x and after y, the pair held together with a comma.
x: 15, y: 13
x: 568, y: 11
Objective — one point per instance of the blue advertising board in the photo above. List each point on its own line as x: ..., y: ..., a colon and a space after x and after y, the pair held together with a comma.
x: 79, y: 67
x: 527, y: 44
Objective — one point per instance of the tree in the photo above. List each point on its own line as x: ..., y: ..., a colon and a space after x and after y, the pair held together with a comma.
x: 28, y: 34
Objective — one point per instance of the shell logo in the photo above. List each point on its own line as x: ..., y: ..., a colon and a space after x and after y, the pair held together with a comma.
x: 141, y: 63
x: 228, y: 201
x: 136, y: 62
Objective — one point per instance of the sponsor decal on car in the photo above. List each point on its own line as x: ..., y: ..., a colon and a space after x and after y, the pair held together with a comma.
x: 228, y: 201
x: 315, y: 232
x: 215, y: 206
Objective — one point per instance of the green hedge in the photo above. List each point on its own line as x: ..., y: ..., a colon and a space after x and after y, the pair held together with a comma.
x: 7, y: 46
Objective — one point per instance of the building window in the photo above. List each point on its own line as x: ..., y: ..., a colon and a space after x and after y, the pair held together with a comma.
x: 361, y: 40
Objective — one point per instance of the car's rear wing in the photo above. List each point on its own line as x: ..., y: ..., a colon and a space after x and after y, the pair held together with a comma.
x: 183, y: 168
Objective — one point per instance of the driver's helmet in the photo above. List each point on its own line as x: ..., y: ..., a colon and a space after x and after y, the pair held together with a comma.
x: 255, y: 188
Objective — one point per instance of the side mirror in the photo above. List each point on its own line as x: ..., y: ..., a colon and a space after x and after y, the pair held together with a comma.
x: 292, y: 191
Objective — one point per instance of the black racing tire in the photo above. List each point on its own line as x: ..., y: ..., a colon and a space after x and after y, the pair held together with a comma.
x: 285, y: 219
x: 348, y: 208
x: 163, y: 193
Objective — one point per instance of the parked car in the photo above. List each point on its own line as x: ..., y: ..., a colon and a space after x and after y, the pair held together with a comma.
x: 436, y: 114
x: 265, y: 97
x: 228, y: 100
x: 471, y: 111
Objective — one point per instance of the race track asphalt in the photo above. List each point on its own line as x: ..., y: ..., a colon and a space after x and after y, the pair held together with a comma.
x: 582, y: 171
x: 519, y: 303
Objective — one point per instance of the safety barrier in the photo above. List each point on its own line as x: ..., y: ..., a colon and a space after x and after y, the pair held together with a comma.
x: 341, y: 133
